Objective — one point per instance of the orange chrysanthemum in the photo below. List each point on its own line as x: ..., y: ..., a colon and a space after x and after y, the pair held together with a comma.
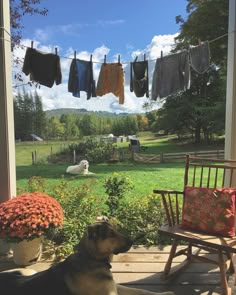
x: 29, y: 215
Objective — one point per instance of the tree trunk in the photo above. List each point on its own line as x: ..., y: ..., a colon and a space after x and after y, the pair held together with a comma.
x: 198, y: 134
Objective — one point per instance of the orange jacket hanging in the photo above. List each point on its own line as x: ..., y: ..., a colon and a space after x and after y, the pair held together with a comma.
x: 111, y: 79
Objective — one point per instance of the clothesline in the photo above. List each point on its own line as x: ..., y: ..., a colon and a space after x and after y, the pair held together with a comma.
x: 190, y: 48
x: 98, y: 62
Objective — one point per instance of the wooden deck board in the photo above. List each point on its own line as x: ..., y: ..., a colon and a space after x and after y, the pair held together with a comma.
x: 142, y: 267
x: 145, y: 267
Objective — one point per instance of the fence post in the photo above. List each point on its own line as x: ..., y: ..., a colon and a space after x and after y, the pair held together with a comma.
x: 32, y: 158
x: 161, y: 157
x: 74, y: 156
x: 35, y: 156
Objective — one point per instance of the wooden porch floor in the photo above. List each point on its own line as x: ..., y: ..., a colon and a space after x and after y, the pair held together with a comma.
x: 141, y: 268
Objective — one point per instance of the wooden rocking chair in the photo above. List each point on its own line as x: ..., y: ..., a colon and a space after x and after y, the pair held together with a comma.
x: 207, y: 173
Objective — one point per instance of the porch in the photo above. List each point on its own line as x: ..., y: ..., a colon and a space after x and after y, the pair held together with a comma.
x: 141, y: 268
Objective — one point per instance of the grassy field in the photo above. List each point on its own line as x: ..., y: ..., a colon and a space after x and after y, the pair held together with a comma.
x: 43, y: 149
x: 145, y: 177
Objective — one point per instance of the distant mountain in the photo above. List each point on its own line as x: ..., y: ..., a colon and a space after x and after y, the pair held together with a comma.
x: 59, y: 112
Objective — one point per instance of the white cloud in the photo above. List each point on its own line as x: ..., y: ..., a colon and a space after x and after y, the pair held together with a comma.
x: 58, y: 96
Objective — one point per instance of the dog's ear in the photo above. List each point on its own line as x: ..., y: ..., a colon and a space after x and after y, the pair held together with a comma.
x: 93, y: 232
x: 97, y: 231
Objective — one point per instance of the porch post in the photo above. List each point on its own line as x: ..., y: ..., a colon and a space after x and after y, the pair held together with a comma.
x: 230, y: 121
x: 7, y: 137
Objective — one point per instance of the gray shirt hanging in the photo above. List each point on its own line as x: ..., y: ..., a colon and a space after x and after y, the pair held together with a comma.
x: 171, y: 74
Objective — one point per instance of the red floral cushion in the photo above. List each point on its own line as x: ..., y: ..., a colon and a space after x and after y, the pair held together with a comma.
x: 209, y: 210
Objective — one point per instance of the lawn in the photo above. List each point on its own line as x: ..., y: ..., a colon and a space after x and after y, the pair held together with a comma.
x: 145, y: 177
x: 43, y: 149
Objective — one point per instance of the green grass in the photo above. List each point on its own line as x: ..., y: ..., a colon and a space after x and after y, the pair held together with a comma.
x: 145, y: 177
x: 43, y: 149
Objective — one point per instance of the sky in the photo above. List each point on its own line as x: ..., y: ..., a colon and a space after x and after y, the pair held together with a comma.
x: 128, y: 28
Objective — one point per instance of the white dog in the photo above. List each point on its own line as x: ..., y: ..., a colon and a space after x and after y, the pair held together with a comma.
x: 81, y: 168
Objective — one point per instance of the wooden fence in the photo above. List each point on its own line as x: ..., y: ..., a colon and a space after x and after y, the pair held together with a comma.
x: 126, y: 154
x: 176, y: 157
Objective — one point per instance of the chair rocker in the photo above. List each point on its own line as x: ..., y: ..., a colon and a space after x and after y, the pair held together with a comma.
x: 199, y: 173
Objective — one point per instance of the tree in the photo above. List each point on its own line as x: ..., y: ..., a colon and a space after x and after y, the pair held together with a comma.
x: 39, y: 117
x: 207, y: 20
x: 29, y: 115
x: 87, y: 125
x: 195, y: 111
x: 18, y: 9
x: 142, y: 122
x: 55, y: 129
x: 201, y: 109
x: 71, y: 130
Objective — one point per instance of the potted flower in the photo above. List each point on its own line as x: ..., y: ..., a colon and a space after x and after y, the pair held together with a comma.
x: 25, y: 220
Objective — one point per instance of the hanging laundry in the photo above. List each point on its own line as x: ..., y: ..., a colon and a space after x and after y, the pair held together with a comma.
x: 139, y: 78
x: 81, y: 78
x: 200, y: 57
x: 44, y: 68
x: 171, y: 74
x: 111, y: 79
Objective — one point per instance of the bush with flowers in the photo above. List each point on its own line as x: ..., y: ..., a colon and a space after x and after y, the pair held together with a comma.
x: 28, y: 216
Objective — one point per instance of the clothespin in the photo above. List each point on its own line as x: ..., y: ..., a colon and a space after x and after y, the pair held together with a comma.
x: 118, y: 59
x: 56, y: 50
x: 75, y: 54
x: 144, y: 57
x: 91, y: 57
x: 32, y: 44
x: 105, y: 58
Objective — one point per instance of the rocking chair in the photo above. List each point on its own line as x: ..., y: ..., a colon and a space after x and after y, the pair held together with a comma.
x: 201, y: 174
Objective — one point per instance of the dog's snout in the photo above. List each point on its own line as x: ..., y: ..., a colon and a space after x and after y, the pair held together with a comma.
x: 129, y: 243
x: 126, y: 245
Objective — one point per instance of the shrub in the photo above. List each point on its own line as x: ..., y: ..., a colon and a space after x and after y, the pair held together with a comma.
x: 140, y: 218
x: 80, y: 208
x: 93, y: 150
x: 36, y: 183
x: 115, y: 187
x: 135, y: 216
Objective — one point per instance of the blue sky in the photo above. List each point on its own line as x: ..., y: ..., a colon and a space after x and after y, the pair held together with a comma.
x: 126, y: 28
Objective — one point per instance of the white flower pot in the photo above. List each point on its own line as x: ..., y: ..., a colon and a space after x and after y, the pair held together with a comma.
x: 4, y: 247
x: 27, y: 252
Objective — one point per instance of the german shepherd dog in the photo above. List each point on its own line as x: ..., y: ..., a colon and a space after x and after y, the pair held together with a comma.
x: 86, y: 272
